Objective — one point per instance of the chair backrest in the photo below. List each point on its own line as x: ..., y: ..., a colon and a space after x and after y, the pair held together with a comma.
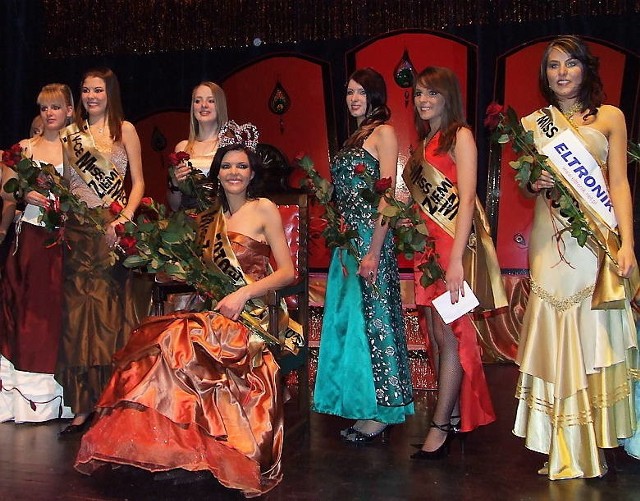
x: 295, y: 220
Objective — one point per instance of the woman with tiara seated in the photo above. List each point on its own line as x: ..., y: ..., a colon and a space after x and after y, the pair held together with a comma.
x: 200, y: 391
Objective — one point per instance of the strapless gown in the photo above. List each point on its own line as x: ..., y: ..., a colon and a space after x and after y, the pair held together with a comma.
x: 194, y: 391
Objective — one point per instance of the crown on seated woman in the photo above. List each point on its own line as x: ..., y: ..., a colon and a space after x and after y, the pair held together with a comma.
x: 232, y: 133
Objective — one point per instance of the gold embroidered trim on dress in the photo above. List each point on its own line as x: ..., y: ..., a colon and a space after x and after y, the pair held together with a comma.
x: 561, y: 304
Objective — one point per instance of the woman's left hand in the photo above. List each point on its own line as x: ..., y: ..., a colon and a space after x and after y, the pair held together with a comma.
x: 231, y: 306
x: 454, y: 278
x: 626, y: 261
x: 369, y: 268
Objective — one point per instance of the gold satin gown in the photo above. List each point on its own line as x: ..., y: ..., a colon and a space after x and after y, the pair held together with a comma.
x: 574, y: 389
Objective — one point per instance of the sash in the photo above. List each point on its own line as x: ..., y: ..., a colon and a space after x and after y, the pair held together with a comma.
x: 438, y: 198
x: 218, y: 253
x: 570, y: 159
x: 91, y: 165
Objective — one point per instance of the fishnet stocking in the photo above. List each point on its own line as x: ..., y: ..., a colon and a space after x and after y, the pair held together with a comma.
x: 447, y: 361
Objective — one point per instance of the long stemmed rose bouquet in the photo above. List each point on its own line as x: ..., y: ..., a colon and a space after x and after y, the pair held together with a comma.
x: 408, y: 228
x: 43, y: 178
x: 529, y: 165
x: 193, y: 184
x: 166, y: 242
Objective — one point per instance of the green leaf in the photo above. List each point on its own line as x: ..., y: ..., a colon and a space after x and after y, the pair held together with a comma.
x: 12, y: 185
x: 582, y: 239
x: 390, y: 211
x: 134, y: 262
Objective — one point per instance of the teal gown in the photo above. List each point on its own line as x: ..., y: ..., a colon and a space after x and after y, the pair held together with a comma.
x: 363, y: 370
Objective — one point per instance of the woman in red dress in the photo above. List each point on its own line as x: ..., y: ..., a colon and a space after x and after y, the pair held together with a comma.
x: 448, y: 146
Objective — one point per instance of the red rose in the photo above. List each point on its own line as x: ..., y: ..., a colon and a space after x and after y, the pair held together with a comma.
x: 44, y: 180
x: 119, y: 229
x: 115, y: 208
x: 128, y: 244
x: 360, y: 168
x: 494, y: 115
x: 299, y: 156
x: 12, y: 156
x: 178, y: 157
x: 146, y: 202
x: 382, y: 185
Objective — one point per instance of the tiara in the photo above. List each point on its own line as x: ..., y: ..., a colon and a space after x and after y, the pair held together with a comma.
x: 232, y: 133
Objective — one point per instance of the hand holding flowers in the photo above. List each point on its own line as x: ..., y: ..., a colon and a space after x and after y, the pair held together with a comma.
x: 167, y: 243
x: 45, y: 180
x: 534, y: 174
x: 407, y: 226
x: 190, y: 181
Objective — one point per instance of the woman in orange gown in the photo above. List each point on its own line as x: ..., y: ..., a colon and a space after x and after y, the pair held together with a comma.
x: 464, y: 402
x: 199, y: 391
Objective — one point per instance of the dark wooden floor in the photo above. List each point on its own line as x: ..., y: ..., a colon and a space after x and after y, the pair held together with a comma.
x: 35, y: 465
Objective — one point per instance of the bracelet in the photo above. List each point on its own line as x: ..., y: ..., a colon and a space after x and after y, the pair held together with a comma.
x: 125, y: 215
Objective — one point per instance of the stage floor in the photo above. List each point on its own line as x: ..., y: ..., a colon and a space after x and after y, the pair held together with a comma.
x: 35, y: 465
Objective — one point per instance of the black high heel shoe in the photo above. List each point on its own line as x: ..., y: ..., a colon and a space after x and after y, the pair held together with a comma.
x: 442, y: 451
x: 455, y: 422
x: 359, y: 438
x: 344, y: 434
x: 76, y: 429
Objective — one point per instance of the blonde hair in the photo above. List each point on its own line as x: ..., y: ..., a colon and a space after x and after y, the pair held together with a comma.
x: 54, y: 92
x: 221, y: 111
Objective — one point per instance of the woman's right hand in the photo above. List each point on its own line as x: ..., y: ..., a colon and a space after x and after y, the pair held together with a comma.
x: 180, y: 172
x: 38, y: 199
x: 543, y: 182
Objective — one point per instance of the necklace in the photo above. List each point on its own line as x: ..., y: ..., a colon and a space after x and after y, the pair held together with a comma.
x: 99, y: 129
x: 575, y: 108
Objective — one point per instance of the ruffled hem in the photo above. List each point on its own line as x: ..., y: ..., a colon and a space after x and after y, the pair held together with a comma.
x: 573, y: 429
x: 29, y: 397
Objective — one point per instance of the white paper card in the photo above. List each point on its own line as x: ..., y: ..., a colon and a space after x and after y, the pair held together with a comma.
x: 450, y: 312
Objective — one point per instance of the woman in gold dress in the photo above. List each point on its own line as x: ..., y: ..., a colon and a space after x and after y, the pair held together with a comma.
x: 575, y: 360
x: 98, y: 313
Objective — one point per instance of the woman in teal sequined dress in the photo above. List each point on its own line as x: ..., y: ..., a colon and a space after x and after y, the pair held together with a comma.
x: 363, y: 370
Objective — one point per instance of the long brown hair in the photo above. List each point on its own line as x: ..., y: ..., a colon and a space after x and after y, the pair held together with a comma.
x: 591, y: 93
x: 115, y: 115
x: 445, y: 82
x: 377, y: 110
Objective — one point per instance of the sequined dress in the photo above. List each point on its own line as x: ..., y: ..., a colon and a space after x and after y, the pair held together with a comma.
x: 574, y: 391
x: 363, y: 370
x: 476, y: 408
x: 194, y: 391
x: 102, y: 302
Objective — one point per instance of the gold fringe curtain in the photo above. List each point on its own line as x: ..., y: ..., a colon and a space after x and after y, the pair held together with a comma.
x: 90, y: 27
